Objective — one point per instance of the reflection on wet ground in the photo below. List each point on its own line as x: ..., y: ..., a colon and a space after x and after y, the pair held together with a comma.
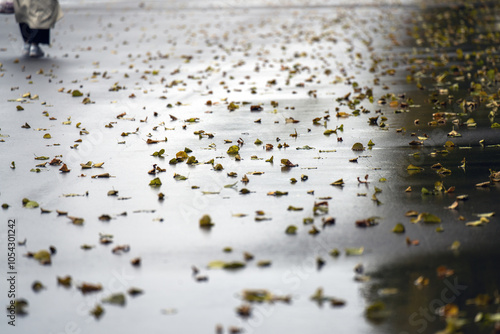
x: 419, y: 290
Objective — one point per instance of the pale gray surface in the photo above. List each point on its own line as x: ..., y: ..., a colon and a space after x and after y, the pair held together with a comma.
x: 95, y: 37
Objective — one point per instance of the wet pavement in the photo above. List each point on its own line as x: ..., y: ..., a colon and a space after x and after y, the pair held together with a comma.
x: 170, y: 72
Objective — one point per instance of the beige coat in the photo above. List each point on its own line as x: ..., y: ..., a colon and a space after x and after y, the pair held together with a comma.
x: 38, y: 14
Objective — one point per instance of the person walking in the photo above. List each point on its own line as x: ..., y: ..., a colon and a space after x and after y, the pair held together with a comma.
x: 36, y: 18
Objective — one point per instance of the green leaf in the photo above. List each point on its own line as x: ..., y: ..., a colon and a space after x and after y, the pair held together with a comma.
x: 233, y: 106
x: 181, y: 155
x: 76, y: 93
x: 156, y: 182
x: 233, y: 150
x: 318, y: 295
x: 399, y: 228
x: 354, y: 251
x: 306, y: 147
x: 42, y: 256
x: 428, y: 218
x: 257, y: 142
x: 307, y: 220
x: 179, y: 177
x: 425, y: 191
x: 292, y: 229
x: 358, y: 147
x: 257, y: 296
x: 334, y: 252
x: 217, y: 264
x: 28, y: 204
x: 264, y: 263
x: 233, y: 265
x: 116, y: 299
x: 294, y: 208
x: 370, y: 143
x: 159, y: 153
x: 376, y: 311
x: 314, y: 230
x: 97, y: 311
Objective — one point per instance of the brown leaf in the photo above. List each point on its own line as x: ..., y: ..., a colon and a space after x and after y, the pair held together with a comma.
x: 443, y: 272
x: 100, y: 176
x: 151, y: 141
x: 64, y: 281
x: 64, y: 169
x: 121, y: 249
x: 87, y: 287
x: 55, y: 162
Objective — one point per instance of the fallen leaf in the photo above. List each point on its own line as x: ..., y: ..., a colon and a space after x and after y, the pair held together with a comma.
x: 291, y: 229
x: 97, y: 311
x: 480, y: 222
x: 354, y: 251
x: 399, y: 228
x: 156, y: 182
x: 338, y: 183
x: 206, y: 222
x: 64, y: 169
x: 288, y: 163
x: 427, y: 218
x: 414, y: 168
x: 76, y: 220
x: 42, y: 256
x: 88, y: 287
x: 115, y: 299
x: 358, y: 147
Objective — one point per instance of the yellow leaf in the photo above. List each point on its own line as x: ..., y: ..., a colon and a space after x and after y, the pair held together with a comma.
x: 42, y: 256
x: 413, y: 167
x: 480, y: 222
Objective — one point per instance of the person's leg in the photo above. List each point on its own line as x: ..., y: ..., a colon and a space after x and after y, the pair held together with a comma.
x: 25, y: 33
x: 32, y: 38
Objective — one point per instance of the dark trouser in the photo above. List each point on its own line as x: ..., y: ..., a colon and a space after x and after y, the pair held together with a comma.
x: 37, y: 36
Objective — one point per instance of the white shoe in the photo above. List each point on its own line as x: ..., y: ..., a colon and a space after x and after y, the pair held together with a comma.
x: 36, y: 51
x: 26, y: 49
